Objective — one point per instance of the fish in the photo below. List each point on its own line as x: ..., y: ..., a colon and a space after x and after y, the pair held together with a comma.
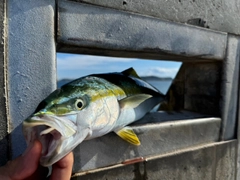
x: 87, y: 108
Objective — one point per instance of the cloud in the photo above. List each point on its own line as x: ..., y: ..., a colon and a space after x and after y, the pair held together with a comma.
x: 74, y: 62
x: 74, y: 66
x: 161, y: 72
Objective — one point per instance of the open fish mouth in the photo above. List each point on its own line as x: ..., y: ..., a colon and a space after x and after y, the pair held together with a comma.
x: 51, y: 131
x: 49, y: 137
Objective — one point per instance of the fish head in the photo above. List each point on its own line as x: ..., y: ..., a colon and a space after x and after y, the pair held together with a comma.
x: 69, y: 115
x: 56, y: 124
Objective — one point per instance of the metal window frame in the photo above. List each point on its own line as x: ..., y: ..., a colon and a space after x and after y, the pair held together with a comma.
x: 35, y: 30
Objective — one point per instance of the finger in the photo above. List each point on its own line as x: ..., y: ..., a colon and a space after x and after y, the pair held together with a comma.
x: 25, y: 165
x: 62, y: 169
x: 30, y: 160
x: 40, y: 174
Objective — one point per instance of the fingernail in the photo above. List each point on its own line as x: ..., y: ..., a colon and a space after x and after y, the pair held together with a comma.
x: 30, y: 146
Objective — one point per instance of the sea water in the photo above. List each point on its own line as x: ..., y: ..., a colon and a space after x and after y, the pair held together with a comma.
x: 162, y: 85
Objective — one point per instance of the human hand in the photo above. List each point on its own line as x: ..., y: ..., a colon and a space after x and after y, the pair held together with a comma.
x: 26, y: 167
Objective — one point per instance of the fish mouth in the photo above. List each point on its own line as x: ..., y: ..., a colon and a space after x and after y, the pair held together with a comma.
x: 49, y: 137
x: 51, y: 131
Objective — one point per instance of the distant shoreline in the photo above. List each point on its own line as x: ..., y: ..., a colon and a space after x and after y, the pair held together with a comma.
x: 155, y: 78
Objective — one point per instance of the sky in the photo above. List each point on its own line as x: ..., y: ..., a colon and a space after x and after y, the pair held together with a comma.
x: 72, y: 66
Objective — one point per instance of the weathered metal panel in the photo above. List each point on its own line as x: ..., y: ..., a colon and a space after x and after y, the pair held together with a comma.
x: 237, y: 165
x: 96, y: 30
x: 212, y: 162
x: 218, y: 15
x: 202, y: 88
x: 230, y: 86
x: 156, y: 138
x: 196, y: 87
x: 3, y: 114
x: 226, y: 157
x: 200, y: 163
x: 31, y: 61
x: 192, y: 164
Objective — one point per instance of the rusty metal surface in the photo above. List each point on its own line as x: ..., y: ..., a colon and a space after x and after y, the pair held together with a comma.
x: 215, y: 161
x: 156, y: 138
x: 96, y: 30
x: 217, y: 15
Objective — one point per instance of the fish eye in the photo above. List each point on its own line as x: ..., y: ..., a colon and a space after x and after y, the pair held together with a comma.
x: 79, y: 104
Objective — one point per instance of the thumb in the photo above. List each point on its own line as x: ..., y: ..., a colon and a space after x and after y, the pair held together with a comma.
x: 25, y: 165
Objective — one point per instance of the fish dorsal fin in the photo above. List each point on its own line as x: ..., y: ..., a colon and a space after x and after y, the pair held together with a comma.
x: 130, y: 72
x: 128, y: 135
x: 134, y: 100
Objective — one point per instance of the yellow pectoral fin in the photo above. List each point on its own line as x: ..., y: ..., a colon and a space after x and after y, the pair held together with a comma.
x: 128, y: 135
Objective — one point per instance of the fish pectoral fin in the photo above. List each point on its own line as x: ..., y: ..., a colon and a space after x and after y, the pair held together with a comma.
x: 133, y: 101
x: 128, y: 135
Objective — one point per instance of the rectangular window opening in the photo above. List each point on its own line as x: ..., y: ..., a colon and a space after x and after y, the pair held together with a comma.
x: 189, y: 118
x: 190, y: 93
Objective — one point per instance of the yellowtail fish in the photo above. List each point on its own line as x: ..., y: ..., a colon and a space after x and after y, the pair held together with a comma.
x: 90, y: 107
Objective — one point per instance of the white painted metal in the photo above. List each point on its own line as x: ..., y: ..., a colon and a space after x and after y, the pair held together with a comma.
x: 31, y: 61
